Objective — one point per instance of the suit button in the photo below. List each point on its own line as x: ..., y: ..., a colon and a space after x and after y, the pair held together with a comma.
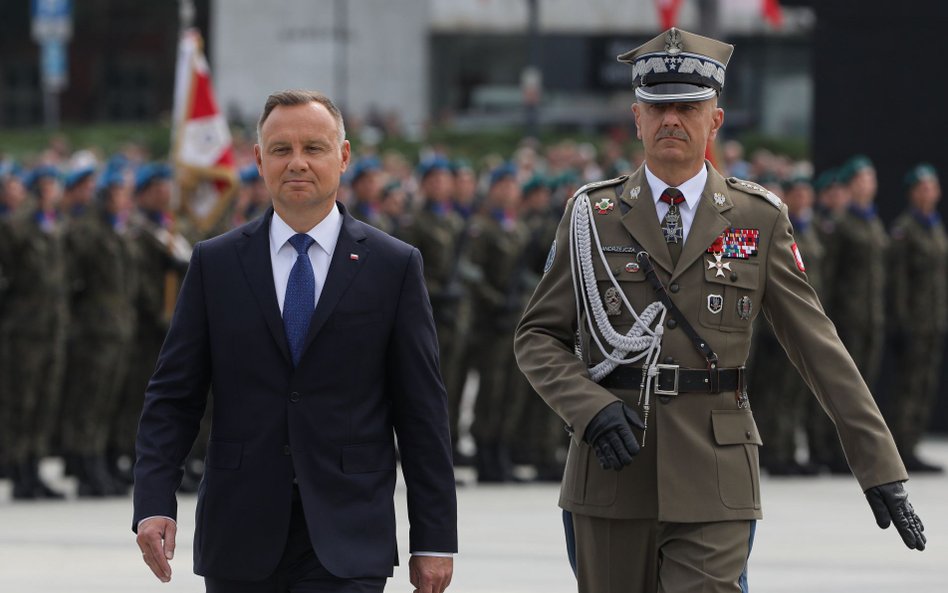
x: 674, y: 287
x: 286, y: 449
x: 672, y: 324
x: 295, y: 397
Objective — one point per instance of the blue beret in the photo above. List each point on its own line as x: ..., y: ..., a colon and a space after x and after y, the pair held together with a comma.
x: 74, y: 178
x: 920, y: 172
x: 150, y: 172
x: 433, y: 164
x: 363, y: 166
x: 41, y: 172
x: 502, y: 172
x: 10, y: 168
x: 249, y: 174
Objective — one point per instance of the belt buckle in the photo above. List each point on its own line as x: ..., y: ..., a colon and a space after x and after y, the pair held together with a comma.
x: 658, y: 381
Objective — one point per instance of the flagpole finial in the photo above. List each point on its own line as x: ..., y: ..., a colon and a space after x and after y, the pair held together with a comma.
x: 186, y: 13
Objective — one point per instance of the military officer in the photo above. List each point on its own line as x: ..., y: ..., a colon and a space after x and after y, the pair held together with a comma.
x: 102, y: 283
x: 918, y: 310
x: 497, y: 248
x: 637, y: 335
x: 33, y: 320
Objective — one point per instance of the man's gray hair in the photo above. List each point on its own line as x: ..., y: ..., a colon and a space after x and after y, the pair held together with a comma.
x: 301, y: 97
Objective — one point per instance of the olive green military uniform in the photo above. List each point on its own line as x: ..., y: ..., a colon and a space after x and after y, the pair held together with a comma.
x: 857, y: 298
x: 436, y: 235
x: 919, y: 317
x: 33, y: 318
x: 697, y: 470
x: 497, y: 249
x: 161, y: 259
x: 782, y: 401
x: 102, y: 283
x: 541, y: 438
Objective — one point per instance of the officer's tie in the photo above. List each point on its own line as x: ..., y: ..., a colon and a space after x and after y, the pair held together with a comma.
x: 671, y: 224
x: 300, y: 299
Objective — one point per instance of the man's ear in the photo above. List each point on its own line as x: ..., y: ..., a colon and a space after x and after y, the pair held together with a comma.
x: 717, y: 120
x: 636, y: 110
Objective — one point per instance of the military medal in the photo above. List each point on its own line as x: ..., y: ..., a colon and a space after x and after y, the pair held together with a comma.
x: 736, y: 243
x: 720, y: 265
x: 715, y: 303
x: 719, y: 198
x: 634, y: 194
x: 672, y: 229
x: 604, y: 206
x: 612, y: 301
x: 744, y: 307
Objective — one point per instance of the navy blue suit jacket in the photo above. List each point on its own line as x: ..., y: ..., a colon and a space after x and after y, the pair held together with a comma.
x: 369, y: 372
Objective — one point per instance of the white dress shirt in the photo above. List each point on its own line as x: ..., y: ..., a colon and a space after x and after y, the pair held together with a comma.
x: 283, y: 254
x: 690, y: 189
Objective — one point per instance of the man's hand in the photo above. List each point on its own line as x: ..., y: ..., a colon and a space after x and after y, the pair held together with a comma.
x: 610, y: 435
x: 156, y: 540
x: 889, y: 503
x: 430, y: 574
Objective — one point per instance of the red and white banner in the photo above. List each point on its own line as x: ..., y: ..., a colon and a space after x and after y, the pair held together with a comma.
x: 771, y: 12
x: 203, y: 152
x: 668, y: 12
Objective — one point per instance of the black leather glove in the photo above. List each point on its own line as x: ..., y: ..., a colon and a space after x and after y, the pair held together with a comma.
x: 610, y: 435
x: 889, y: 503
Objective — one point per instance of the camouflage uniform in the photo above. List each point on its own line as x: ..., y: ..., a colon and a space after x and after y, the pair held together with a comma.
x: 436, y: 232
x: 102, y: 284
x: 33, y: 319
x: 498, y: 250
x: 919, y: 308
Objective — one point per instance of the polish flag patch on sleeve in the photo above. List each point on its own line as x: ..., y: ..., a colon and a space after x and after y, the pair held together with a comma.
x: 797, y: 257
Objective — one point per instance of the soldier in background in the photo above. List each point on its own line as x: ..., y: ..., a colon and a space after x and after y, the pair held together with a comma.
x: 252, y: 198
x: 79, y: 190
x: 33, y: 320
x: 102, y: 284
x: 858, y: 272
x: 465, y: 189
x: 436, y: 230
x: 161, y: 259
x: 541, y: 440
x: 367, y: 182
x: 12, y: 192
x: 919, y: 311
x: 498, y: 249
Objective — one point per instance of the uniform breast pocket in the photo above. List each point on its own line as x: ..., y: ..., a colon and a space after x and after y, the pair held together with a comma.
x: 630, y: 277
x: 729, y: 300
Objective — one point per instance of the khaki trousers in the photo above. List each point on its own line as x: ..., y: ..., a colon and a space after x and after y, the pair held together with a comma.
x: 647, y: 556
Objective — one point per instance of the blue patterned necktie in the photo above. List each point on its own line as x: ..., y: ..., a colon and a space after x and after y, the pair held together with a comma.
x: 300, y: 299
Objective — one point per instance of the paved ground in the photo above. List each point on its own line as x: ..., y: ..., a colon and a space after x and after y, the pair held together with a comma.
x: 819, y: 536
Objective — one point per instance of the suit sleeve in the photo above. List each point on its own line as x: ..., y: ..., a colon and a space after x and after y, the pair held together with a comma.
x: 813, y: 345
x: 174, y: 402
x: 544, y: 343
x: 420, y: 415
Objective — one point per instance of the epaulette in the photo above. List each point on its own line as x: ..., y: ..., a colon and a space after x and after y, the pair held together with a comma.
x: 755, y: 189
x: 598, y: 184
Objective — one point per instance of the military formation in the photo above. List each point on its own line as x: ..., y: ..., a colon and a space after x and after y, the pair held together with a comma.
x: 92, y: 255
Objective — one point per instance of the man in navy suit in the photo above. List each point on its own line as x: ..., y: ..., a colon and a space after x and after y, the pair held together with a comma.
x: 315, y: 333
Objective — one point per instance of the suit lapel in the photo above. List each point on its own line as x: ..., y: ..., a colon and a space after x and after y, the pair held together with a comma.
x: 641, y: 220
x: 708, y: 224
x: 253, y: 250
x: 348, y: 258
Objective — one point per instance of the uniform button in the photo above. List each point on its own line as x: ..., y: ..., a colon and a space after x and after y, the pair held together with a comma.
x: 747, y: 434
x: 286, y: 449
x: 674, y: 287
x: 733, y: 276
x: 295, y: 397
x: 669, y: 360
x: 672, y: 324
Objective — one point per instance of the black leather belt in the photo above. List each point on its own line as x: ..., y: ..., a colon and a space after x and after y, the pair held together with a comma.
x: 672, y: 379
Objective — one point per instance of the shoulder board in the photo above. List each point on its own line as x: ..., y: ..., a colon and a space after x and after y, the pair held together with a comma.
x: 599, y: 184
x: 755, y: 190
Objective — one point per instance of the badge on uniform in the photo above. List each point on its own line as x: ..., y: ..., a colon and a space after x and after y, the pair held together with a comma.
x: 550, y: 257
x: 632, y: 267
x: 715, y: 303
x: 720, y: 265
x: 612, y: 301
x: 719, y: 199
x: 604, y: 206
x: 736, y: 243
x: 797, y: 257
x: 634, y: 194
x: 744, y: 307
